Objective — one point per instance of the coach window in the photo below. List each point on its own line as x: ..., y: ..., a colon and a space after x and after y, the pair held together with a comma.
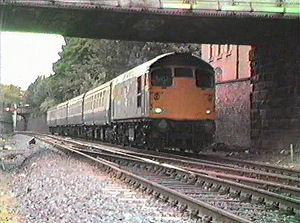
x: 161, y: 77
x: 204, y: 79
x: 183, y: 72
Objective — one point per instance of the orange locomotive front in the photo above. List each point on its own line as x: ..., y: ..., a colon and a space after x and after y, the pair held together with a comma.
x: 182, y: 109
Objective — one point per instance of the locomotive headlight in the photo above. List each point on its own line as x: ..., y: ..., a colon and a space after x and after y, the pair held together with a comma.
x: 158, y: 110
x: 208, y: 111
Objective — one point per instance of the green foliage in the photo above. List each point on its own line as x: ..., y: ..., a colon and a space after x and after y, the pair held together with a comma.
x: 12, y: 95
x: 40, y: 95
x: 47, y: 103
x: 87, y: 63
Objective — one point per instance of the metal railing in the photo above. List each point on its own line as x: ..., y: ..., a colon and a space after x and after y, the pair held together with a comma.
x: 291, y: 7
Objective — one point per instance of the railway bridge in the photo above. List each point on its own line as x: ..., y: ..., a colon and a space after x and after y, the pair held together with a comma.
x: 270, y: 27
x: 24, y: 112
x: 197, y: 21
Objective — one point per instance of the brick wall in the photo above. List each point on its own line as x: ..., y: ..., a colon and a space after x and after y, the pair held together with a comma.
x: 275, y: 111
x: 233, y: 89
x: 233, y: 113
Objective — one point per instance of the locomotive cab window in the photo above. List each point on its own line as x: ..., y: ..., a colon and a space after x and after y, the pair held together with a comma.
x: 204, y: 79
x: 161, y: 77
x: 183, y: 72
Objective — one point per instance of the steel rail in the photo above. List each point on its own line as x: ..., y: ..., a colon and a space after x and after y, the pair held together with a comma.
x: 253, y: 164
x: 287, y: 201
x: 202, y: 207
x: 230, y: 168
x: 203, y: 163
x: 270, y: 196
x: 238, y: 162
x: 190, y: 160
x: 292, y: 191
x: 266, y: 184
x: 252, y: 181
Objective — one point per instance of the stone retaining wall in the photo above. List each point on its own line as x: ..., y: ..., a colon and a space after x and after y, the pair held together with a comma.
x: 38, y: 124
x: 6, y: 124
x: 275, y: 107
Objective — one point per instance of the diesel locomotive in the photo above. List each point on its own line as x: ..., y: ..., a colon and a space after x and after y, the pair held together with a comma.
x: 165, y: 102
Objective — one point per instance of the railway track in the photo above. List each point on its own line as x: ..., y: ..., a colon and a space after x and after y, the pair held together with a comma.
x: 191, y: 185
x: 279, y: 183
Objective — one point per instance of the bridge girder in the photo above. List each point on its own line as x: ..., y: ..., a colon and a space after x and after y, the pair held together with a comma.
x: 150, y: 25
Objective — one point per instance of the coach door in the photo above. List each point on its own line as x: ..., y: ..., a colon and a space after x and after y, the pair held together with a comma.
x: 140, y: 100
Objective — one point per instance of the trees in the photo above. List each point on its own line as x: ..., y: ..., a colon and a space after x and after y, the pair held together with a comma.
x: 87, y: 63
x: 40, y: 95
x: 12, y: 95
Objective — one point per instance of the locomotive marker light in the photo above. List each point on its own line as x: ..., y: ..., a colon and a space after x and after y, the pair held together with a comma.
x: 208, y: 111
x: 156, y: 96
x: 158, y: 110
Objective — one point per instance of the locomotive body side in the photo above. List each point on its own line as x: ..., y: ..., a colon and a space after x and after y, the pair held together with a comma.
x: 129, y: 96
x: 128, y: 99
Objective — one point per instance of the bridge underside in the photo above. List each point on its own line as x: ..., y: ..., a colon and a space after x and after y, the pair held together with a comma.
x: 150, y: 25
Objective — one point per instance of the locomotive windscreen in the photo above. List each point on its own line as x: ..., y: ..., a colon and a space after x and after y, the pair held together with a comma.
x: 161, y: 77
x: 204, y: 79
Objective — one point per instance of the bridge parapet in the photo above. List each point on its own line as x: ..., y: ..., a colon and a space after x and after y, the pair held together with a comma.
x: 282, y: 7
x: 247, y: 22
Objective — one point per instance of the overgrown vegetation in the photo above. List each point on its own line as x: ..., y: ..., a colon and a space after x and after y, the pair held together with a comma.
x: 11, y: 95
x: 87, y: 63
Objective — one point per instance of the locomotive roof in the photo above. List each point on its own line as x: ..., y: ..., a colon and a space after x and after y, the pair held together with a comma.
x: 180, y: 59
